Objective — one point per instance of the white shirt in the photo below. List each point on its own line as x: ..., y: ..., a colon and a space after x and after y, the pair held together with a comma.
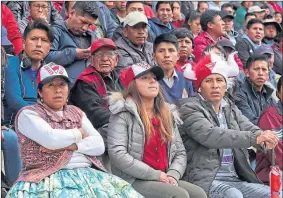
x: 170, y: 81
x: 38, y: 130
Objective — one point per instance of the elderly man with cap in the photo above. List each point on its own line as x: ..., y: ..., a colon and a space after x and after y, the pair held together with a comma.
x: 216, y: 135
x: 257, y: 11
x: 133, y: 46
x: 93, y: 84
x: 228, y: 20
x: 271, y: 29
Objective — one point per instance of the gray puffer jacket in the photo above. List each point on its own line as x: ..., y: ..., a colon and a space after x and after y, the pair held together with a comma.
x: 205, y: 140
x: 126, y: 139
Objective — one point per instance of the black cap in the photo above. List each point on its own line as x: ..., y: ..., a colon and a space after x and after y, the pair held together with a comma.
x: 226, y: 43
x: 226, y: 14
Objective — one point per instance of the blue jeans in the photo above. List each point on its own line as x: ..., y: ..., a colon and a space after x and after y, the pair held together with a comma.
x: 11, y: 152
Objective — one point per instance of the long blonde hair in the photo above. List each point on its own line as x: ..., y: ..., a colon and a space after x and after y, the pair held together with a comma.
x: 160, y: 108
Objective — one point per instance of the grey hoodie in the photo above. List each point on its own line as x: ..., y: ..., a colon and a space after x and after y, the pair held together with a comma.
x: 126, y: 139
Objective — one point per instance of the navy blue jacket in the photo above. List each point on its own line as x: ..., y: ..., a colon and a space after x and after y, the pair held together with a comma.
x: 156, y: 27
x: 63, y: 50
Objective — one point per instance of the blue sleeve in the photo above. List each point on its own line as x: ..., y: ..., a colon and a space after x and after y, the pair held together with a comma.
x: 13, y: 92
x: 190, y: 88
x: 62, y: 57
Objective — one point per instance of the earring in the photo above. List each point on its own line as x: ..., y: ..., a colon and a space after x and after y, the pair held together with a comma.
x: 41, y: 100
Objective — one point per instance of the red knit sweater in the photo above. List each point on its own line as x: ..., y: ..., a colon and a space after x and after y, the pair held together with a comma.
x: 155, y: 150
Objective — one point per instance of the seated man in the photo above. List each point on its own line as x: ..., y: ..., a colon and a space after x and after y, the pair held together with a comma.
x: 93, y: 84
x: 161, y: 23
x: 213, y: 31
x: 21, y: 72
x: 271, y: 119
x: 260, y: 13
x: 186, y: 42
x: 271, y: 29
x: 251, y: 40
x: 39, y: 10
x: 71, y: 46
x: 131, y: 6
x: 173, y: 85
x: 252, y: 96
x: 216, y: 135
x: 228, y: 20
x: 132, y: 46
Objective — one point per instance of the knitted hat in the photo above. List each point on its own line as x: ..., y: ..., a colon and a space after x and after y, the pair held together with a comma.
x: 211, y: 64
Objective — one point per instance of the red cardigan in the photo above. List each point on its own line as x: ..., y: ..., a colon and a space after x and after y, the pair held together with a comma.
x: 14, y: 34
x: 155, y: 151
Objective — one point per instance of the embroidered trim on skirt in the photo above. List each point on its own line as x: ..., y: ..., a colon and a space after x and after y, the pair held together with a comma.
x: 75, y: 183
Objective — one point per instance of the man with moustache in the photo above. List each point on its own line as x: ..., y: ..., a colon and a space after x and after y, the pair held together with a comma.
x: 132, y: 46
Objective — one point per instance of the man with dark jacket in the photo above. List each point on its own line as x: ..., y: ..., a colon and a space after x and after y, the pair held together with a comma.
x: 95, y: 82
x: 161, y: 23
x: 252, y: 96
x: 72, y: 39
x: 132, y: 46
x: 251, y: 40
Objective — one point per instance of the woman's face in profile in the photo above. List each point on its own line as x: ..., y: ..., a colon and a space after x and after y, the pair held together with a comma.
x: 148, y: 86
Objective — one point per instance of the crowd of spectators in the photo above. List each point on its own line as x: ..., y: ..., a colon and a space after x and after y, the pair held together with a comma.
x: 141, y: 98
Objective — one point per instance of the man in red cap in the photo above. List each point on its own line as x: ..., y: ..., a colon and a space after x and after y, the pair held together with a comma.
x: 93, y: 84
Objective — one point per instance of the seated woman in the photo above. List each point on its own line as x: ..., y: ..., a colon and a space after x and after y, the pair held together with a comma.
x: 58, y: 147
x: 272, y: 118
x: 144, y: 144
x: 216, y: 136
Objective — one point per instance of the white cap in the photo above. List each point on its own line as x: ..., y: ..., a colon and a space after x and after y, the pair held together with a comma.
x: 50, y: 71
x: 134, y: 18
x: 254, y: 9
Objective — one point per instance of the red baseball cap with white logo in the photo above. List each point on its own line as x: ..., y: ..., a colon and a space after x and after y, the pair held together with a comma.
x: 139, y: 69
x: 50, y: 71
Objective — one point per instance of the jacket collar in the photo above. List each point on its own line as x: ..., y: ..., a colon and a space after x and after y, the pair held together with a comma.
x: 250, y: 88
x: 157, y: 21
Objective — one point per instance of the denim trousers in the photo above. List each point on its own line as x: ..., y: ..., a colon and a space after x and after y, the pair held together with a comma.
x: 11, y: 152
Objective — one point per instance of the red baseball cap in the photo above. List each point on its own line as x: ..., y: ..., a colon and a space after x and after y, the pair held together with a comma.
x: 102, y: 42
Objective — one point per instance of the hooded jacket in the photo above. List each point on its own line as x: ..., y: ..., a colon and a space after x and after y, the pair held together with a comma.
x: 205, y: 140
x: 63, y: 49
x: 156, y: 27
x: 126, y: 141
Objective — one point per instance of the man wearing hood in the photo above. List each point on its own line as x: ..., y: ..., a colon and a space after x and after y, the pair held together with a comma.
x: 72, y: 39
